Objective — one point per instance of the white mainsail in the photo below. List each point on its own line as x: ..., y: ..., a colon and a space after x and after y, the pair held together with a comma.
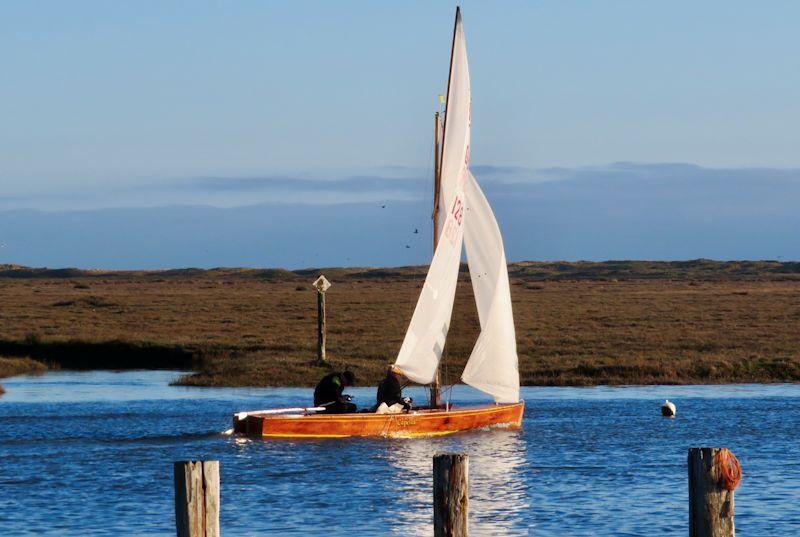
x: 424, y: 341
x: 492, y: 366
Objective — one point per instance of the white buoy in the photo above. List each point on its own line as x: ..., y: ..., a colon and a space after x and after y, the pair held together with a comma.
x: 668, y: 409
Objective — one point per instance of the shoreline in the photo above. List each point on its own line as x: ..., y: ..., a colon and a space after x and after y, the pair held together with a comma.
x: 577, y: 324
x: 43, y: 368
x: 202, y: 367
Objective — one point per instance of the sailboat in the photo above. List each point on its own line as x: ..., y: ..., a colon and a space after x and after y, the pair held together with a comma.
x: 463, y: 219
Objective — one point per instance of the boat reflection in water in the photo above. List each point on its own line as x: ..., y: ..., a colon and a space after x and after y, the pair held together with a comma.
x: 497, y: 492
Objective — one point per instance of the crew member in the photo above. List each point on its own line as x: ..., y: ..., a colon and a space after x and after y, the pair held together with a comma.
x: 328, y: 393
x: 390, y: 391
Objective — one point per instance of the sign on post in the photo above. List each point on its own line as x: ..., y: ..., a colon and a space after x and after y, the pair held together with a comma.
x: 321, y: 284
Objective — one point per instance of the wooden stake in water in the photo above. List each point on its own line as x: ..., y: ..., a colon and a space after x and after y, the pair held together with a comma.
x: 321, y: 284
x: 450, y: 495
x: 710, y: 504
x: 197, y: 498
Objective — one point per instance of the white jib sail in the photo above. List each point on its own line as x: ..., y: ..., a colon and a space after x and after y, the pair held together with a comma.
x: 424, y: 341
x: 493, y: 366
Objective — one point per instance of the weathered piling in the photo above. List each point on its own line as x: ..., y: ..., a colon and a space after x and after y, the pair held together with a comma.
x: 197, y: 498
x: 450, y: 494
x: 713, y: 474
x: 321, y: 284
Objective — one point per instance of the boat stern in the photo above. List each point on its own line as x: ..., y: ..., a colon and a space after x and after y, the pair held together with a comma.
x: 247, y: 424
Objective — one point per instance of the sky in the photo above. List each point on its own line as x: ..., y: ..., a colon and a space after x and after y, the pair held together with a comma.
x: 143, y: 107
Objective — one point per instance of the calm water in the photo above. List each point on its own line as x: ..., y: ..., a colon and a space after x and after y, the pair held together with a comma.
x: 91, y: 453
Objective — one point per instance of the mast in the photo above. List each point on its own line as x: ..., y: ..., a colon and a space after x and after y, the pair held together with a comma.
x: 437, y: 177
x: 439, y: 156
x: 436, y: 386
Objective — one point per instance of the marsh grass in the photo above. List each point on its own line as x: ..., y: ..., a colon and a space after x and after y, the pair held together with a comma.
x: 13, y: 365
x: 619, y: 322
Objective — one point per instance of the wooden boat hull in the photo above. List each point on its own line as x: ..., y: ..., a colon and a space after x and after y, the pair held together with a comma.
x: 414, y: 424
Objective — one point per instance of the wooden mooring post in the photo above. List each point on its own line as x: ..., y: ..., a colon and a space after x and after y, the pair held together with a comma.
x: 197, y: 498
x: 450, y: 495
x: 710, y: 496
x: 321, y: 284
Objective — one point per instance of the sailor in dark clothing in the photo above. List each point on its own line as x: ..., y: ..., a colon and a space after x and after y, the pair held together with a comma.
x: 390, y: 391
x: 328, y: 393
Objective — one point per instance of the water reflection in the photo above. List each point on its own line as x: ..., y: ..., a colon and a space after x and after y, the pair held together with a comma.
x: 498, y: 494
x: 497, y: 491
x: 411, y: 465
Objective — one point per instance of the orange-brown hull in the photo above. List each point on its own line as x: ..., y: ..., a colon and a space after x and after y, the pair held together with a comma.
x: 414, y: 424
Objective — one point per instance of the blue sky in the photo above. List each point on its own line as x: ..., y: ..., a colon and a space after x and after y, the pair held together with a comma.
x: 149, y: 104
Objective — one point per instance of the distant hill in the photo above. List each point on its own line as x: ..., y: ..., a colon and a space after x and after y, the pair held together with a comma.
x: 696, y: 269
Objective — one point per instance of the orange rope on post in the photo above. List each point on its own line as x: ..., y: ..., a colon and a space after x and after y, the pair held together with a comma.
x: 730, y: 471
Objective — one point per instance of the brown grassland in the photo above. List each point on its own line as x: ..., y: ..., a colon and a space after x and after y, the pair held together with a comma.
x: 11, y: 365
x: 577, y: 323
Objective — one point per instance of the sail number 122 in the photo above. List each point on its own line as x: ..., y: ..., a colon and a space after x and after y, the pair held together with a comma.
x: 454, y: 223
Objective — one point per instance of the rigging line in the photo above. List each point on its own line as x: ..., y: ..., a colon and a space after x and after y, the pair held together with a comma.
x: 448, y: 389
x: 422, y: 217
x: 444, y: 362
x: 450, y: 397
